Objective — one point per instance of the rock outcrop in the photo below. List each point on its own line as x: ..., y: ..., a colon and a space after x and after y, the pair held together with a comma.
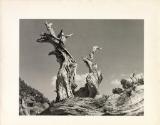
x: 76, y: 106
x: 128, y: 100
x: 106, y: 105
x: 126, y: 105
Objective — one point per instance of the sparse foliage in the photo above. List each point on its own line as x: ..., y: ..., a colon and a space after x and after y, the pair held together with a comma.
x: 126, y: 84
x: 117, y: 91
x: 129, y: 85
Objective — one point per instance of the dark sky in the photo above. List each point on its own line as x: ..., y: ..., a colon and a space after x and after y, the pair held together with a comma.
x: 122, y: 54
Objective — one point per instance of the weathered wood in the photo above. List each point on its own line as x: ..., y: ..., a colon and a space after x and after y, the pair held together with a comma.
x: 94, y: 76
x: 66, y: 75
x: 65, y: 83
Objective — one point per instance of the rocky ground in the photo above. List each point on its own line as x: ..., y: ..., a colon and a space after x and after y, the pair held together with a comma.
x: 105, y: 105
x: 32, y: 102
x: 124, y: 105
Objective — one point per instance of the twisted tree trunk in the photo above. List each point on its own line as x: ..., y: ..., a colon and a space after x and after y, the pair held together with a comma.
x: 94, y: 76
x: 65, y: 83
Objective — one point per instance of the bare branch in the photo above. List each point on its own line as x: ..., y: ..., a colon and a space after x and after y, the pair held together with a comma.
x: 65, y: 82
x: 50, y: 29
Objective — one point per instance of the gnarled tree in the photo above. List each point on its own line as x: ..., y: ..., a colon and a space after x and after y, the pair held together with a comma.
x: 65, y: 83
x: 94, y: 76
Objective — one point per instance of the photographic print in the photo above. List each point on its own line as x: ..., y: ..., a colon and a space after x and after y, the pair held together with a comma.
x: 82, y: 67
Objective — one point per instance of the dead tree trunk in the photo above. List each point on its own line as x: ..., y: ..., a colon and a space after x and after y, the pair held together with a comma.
x: 65, y: 83
x: 94, y: 76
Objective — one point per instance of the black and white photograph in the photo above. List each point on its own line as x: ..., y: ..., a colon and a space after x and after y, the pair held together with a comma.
x: 82, y: 67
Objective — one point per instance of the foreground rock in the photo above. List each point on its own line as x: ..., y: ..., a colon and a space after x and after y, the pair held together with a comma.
x: 105, y: 105
x: 125, y: 105
x: 76, y: 106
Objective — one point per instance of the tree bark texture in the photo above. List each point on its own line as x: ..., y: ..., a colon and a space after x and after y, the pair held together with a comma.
x: 65, y: 83
x: 94, y: 76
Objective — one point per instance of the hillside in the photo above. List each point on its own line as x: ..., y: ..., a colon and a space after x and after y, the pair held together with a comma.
x: 31, y: 101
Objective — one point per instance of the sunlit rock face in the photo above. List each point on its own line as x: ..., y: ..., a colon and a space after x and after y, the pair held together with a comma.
x: 126, y: 105
x: 105, y: 105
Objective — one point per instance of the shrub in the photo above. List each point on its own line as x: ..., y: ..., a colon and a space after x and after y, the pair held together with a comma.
x: 117, y: 91
x: 126, y: 84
